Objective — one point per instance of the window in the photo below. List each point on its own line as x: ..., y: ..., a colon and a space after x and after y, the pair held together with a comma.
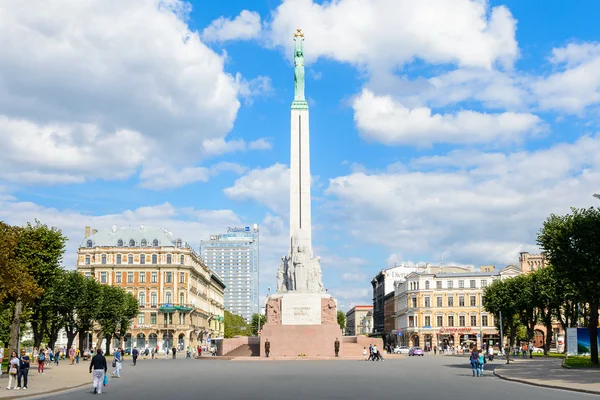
x: 426, y: 284
x: 449, y: 284
x: 118, y: 259
x: 473, y: 301
x: 438, y: 284
x: 461, y: 284
x: 120, y: 243
x: 450, y: 301
x: 451, y: 320
x: 130, y: 277
x: 131, y: 243
x: 90, y: 243
x: 483, y: 283
x: 118, y: 277
x: 88, y: 274
x: 427, y: 321
x: 153, y: 318
x: 472, y: 284
x: 427, y: 301
x: 130, y: 259
x: 168, y: 297
x: 178, y: 243
x: 155, y: 243
x: 142, y: 277
x: 103, y: 258
x: 169, y: 259
x: 182, y: 277
x: 102, y: 277
x: 154, y: 277
x: 143, y: 243
x: 461, y: 301
x: 153, y: 300
x: 87, y: 260
x: 182, y: 259
x: 154, y: 259
x: 439, y: 301
x: 484, y: 320
x: 140, y: 318
x: 440, y: 320
x: 181, y: 298
x: 411, y: 321
x: 461, y: 320
x: 142, y: 259
x: 142, y: 299
x: 413, y: 302
x: 168, y: 277
x: 473, y: 320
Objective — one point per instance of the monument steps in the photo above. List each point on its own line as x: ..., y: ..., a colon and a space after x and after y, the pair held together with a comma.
x: 245, y: 350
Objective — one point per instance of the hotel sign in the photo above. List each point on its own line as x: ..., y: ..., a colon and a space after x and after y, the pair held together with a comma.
x: 455, y: 330
x: 235, y: 229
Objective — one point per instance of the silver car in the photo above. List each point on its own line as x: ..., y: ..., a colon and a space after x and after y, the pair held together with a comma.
x: 401, y: 350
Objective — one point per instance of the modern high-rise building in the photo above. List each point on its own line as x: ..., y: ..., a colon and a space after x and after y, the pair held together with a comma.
x: 234, y: 256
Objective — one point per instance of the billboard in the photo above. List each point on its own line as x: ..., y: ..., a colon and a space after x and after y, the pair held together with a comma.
x: 578, y: 341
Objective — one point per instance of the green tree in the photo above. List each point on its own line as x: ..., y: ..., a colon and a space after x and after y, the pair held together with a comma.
x: 571, y: 245
x: 88, y: 309
x: 258, y: 321
x: 499, y: 298
x: 341, y: 319
x: 235, y: 325
x: 130, y: 309
x: 109, y: 316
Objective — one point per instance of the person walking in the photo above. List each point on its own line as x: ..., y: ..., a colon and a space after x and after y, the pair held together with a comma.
x: 77, y: 356
x: 370, y: 353
x: 57, y: 356
x: 174, y: 352
x: 23, y: 375
x: 41, y: 361
x: 435, y: 350
x: 375, y: 353
x: 530, y: 350
x: 134, y: 355
x: 365, y: 353
x: 336, y: 347
x: 153, y: 353
x: 267, y: 348
x: 72, y: 355
x: 99, y: 367
x: 117, y: 363
x: 481, y: 361
x: 474, y: 360
x: 13, y: 369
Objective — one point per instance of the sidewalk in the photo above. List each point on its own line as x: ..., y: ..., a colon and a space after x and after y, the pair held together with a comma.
x: 55, y: 379
x: 548, y: 372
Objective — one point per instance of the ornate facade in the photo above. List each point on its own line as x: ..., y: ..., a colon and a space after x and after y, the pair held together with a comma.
x: 181, y: 299
x: 359, y: 321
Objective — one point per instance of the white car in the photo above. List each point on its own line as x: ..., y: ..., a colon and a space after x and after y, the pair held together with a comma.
x: 401, y: 350
x: 537, y: 350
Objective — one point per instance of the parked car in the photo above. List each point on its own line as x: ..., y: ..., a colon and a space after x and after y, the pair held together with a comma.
x: 537, y: 350
x: 401, y: 350
x: 416, y: 351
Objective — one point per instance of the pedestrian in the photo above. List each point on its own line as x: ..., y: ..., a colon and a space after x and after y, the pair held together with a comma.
x: 24, y: 362
x: 267, y: 347
x: 524, y: 350
x: 174, y: 352
x: 13, y: 369
x: 474, y: 360
x: 1, y: 359
x: 370, y: 352
x: 530, y: 350
x: 365, y: 353
x: 41, y: 361
x: 146, y: 352
x: 434, y: 350
x: 117, y: 363
x: 481, y: 361
x: 99, y: 367
x: 375, y: 353
x: 72, y: 355
x: 153, y: 353
x: 336, y: 347
x: 134, y: 355
x: 57, y: 356
x: 77, y: 356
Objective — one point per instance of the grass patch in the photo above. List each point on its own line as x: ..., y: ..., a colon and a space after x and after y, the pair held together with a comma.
x: 579, y: 362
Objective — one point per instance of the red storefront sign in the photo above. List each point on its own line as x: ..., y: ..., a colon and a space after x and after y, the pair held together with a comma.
x: 455, y: 330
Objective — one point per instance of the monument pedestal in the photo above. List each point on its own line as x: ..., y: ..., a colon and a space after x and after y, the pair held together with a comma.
x: 301, y: 324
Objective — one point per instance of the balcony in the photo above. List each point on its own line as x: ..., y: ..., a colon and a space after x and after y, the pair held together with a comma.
x: 172, y: 307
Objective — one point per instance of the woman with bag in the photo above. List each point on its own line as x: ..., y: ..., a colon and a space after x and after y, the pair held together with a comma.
x: 13, y: 369
x: 474, y: 359
x: 41, y: 361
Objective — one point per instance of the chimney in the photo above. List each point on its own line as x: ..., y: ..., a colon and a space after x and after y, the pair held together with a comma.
x: 94, y: 231
x: 87, y: 231
x: 114, y: 228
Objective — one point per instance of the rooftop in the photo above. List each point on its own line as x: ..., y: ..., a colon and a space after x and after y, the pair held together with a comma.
x: 141, y: 236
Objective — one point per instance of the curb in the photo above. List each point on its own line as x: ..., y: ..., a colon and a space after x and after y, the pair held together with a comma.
x: 48, y: 393
x: 545, y: 385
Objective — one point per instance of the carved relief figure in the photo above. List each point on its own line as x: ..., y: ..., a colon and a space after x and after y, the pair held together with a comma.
x: 328, y: 312
x: 273, y: 312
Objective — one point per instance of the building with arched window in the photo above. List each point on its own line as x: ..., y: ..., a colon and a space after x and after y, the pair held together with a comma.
x: 180, y: 296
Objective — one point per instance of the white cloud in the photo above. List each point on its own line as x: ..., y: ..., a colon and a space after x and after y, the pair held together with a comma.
x: 269, y: 186
x: 222, y: 146
x: 259, y: 86
x: 577, y: 85
x: 245, y: 26
x: 354, y: 277
x: 383, y: 119
x: 389, y: 33
x: 129, y: 80
x: 260, y: 144
x: 166, y: 177
x: 468, y: 206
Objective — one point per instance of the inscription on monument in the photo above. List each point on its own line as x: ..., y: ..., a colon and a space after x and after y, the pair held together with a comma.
x: 301, y: 309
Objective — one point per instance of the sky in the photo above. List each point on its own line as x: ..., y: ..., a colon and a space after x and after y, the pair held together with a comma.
x: 442, y: 131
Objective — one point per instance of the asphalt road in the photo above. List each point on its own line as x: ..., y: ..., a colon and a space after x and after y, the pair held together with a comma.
x: 415, y: 378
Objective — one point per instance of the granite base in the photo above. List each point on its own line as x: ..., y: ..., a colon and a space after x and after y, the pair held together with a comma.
x: 305, y: 340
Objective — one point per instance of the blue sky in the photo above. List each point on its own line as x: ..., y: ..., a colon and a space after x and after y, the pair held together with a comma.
x: 440, y: 130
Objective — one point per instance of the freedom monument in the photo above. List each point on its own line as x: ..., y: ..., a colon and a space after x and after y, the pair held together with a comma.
x: 301, y: 316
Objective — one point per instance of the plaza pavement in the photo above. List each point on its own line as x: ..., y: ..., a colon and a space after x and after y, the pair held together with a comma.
x: 429, y: 377
x: 548, y: 372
